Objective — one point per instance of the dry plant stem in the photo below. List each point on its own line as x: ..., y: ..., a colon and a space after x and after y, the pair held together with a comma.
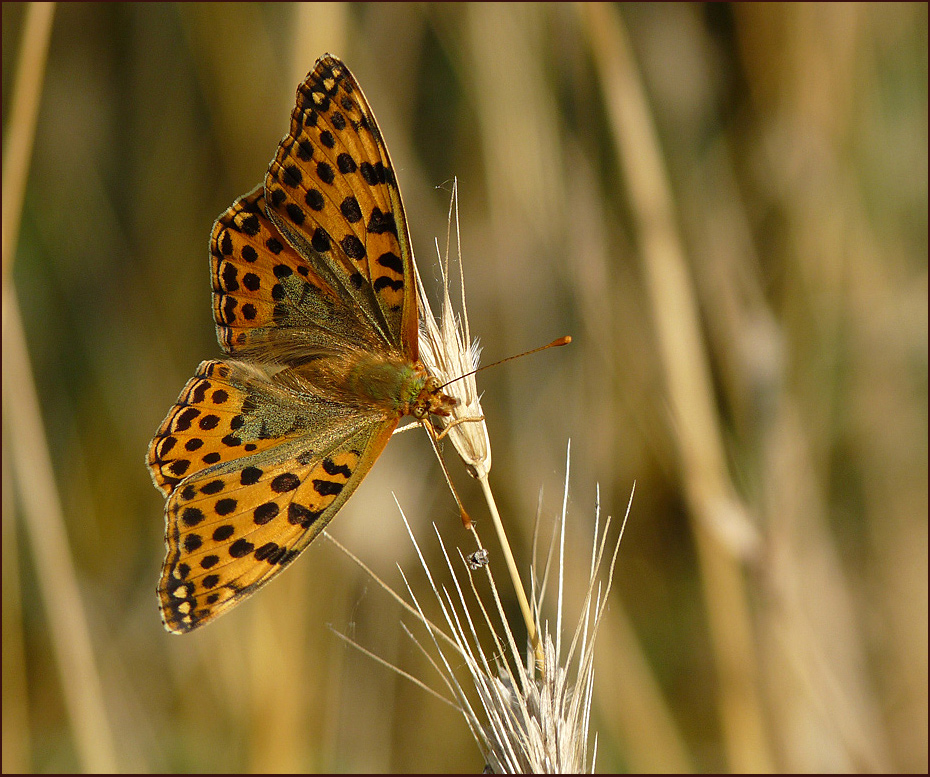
x: 531, y: 631
x: 448, y: 349
x: 48, y: 541
x: 722, y: 533
x: 20, y: 132
x: 17, y: 736
x: 32, y: 467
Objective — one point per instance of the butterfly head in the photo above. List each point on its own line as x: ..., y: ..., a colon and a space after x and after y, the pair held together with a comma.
x: 431, y: 400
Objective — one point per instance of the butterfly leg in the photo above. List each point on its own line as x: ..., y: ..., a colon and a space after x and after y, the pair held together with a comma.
x: 455, y: 423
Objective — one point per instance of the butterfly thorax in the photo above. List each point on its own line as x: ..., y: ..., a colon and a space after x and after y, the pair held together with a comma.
x: 377, y: 381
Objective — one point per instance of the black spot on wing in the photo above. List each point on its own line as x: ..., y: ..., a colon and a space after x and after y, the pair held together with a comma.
x: 392, y: 261
x: 384, y: 281
x: 336, y: 469
x: 327, y: 487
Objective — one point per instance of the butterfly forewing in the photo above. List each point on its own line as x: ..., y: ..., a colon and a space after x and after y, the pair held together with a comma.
x: 331, y: 190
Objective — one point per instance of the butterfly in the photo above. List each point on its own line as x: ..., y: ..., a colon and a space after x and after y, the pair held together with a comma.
x: 315, y: 302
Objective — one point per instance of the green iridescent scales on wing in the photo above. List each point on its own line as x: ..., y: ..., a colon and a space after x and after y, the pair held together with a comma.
x: 314, y: 298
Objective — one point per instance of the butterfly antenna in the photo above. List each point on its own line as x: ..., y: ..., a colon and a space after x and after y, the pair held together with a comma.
x: 554, y: 344
x: 466, y: 518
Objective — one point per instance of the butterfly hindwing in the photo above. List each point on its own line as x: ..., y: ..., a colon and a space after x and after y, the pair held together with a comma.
x: 331, y: 191
x: 231, y: 411
x: 237, y: 519
x: 231, y: 532
x: 203, y: 429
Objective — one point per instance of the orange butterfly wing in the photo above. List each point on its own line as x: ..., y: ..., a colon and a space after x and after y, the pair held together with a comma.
x: 331, y: 190
x: 315, y: 263
x: 237, y: 521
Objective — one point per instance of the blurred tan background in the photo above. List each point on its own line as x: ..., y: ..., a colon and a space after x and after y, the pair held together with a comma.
x: 725, y: 206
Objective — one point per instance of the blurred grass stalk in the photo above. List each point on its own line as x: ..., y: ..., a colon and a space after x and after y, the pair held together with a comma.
x: 722, y: 532
x: 786, y: 662
x: 32, y: 466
